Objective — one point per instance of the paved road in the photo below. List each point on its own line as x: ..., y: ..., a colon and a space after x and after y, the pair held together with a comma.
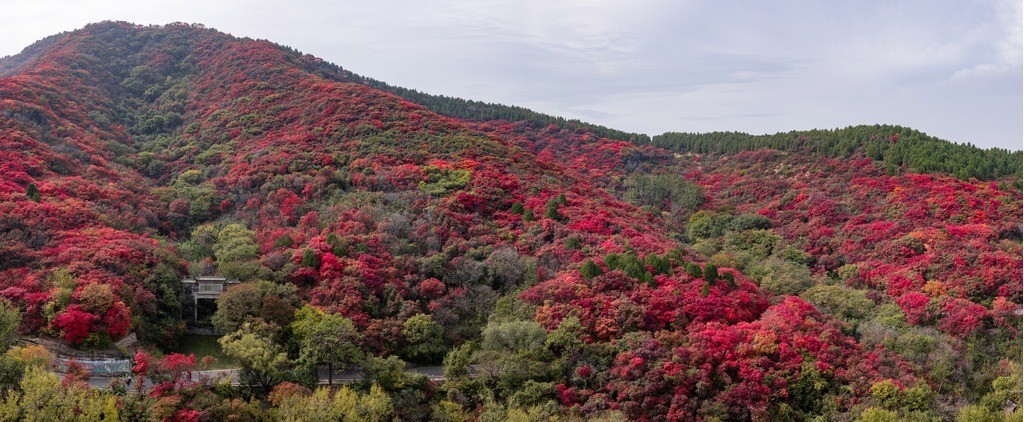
x: 434, y: 373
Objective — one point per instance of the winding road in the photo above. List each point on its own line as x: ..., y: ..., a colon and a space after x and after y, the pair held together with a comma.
x: 434, y: 373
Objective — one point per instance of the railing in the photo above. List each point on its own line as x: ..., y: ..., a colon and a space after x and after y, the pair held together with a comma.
x: 96, y: 366
x: 211, y: 288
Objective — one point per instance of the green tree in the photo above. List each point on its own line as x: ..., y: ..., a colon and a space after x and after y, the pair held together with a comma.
x: 710, y: 273
x: 532, y: 393
x: 705, y: 224
x: 442, y: 181
x: 782, y: 277
x: 573, y: 243
x: 567, y: 338
x: 848, y: 304
x: 41, y: 397
x: 809, y: 389
x: 19, y: 358
x: 664, y: 192
x: 508, y: 270
x: 975, y: 413
x: 424, y: 339
x: 551, y: 211
x: 744, y: 222
x: 693, y: 270
x: 447, y: 411
x: 388, y: 373
x: 325, y: 338
x: 11, y: 372
x: 259, y: 301
x: 874, y: 414
x: 730, y: 279
x: 237, y: 305
x: 10, y: 320
x: 376, y: 406
x: 514, y: 335
x: 1005, y: 389
x: 200, y: 201
x: 96, y: 298
x: 528, y: 216
x: 613, y: 261
x: 32, y: 192
x: 512, y: 353
x: 659, y: 264
x: 631, y: 264
x: 285, y: 241
x: 590, y: 270
x: 263, y: 362
x: 759, y: 243
x: 309, y: 259
x: 324, y: 404
x: 457, y: 361
x: 200, y: 244
x: 236, y: 251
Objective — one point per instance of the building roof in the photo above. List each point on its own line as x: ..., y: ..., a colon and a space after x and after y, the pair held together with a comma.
x: 209, y: 279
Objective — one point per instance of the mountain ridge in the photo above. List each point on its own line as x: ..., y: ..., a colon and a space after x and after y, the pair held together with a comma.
x: 478, y: 111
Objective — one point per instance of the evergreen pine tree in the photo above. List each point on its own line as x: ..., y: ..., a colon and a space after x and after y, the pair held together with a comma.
x: 590, y: 270
x: 730, y: 279
x: 573, y: 243
x: 551, y: 211
x: 613, y: 262
x: 693, y: 270
x: 710, y: 273
x: 32, y: 192
x: 528, y: 216
x: 309, y: 259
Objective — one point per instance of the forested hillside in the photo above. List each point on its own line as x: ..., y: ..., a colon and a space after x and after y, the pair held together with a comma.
x: 468, y: 109
x: 556, y: 269
x: 893, y: 145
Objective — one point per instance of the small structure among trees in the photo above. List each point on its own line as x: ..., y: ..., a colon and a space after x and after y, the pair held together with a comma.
x: 205, y: 288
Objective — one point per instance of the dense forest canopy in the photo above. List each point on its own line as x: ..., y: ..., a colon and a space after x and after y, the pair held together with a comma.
x: 555, y: 269
x: 893, y: 145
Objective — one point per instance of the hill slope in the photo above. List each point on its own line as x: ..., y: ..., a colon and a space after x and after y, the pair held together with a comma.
x: 585, y: 275
x: 895, y: 146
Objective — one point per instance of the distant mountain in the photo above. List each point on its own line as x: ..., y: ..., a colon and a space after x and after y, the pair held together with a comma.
x: 581, y: 271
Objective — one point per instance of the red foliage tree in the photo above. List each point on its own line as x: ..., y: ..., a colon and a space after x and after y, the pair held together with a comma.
x: 75, y: 323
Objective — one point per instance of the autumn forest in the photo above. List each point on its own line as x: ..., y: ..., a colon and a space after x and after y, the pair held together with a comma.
x: 553, y: 268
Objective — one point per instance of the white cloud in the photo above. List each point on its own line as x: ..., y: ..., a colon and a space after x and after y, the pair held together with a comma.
x: 981, y: 71
x: 997, y: 47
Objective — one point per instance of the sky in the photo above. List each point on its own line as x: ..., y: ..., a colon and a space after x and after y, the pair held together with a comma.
x: 950, y: 68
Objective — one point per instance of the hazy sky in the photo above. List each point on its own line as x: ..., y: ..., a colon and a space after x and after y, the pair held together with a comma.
x: 951, y: 68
